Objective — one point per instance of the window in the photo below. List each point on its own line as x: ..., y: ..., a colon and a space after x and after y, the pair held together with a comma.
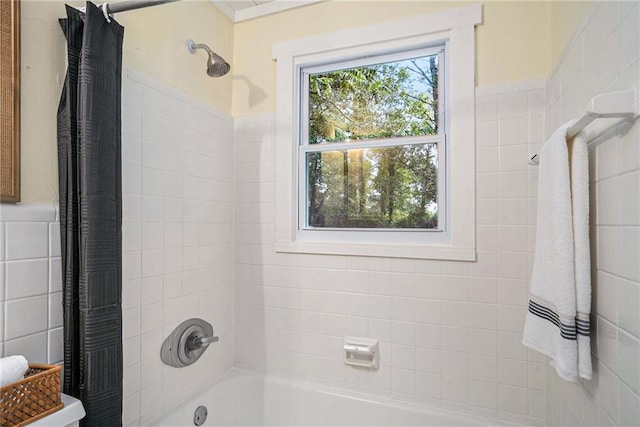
x: 371, y: 150
x: 375, y: 140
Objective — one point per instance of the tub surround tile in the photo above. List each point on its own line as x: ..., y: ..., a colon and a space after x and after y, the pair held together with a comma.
x: 178, y: 257
x: 465, y: 316
x: 609, y: 33
x: 25, y: 240
x: 30, y: 281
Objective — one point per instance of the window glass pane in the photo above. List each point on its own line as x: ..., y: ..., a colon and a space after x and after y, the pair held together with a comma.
x: 393, y: 187
x: 391, y: 99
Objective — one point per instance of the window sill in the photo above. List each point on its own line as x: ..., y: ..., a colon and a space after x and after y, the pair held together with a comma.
x: 437, y: 252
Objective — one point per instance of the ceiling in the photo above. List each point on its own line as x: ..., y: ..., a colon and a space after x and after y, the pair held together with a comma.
x: 243, y: 10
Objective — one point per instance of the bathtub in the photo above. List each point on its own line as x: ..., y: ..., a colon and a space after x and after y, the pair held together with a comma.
x: 243, y: 399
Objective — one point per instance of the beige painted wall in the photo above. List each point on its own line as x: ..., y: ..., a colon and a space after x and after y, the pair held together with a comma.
x: 566, y: 17
x: 511, y: 44
x: 154, y: 45
x: 518, y: 40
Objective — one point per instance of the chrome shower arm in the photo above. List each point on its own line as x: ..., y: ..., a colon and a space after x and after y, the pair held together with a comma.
x: 192, y: 46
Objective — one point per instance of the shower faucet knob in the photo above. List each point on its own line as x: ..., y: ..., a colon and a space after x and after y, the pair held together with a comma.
x: 188, y: 341
x: 201, y: 342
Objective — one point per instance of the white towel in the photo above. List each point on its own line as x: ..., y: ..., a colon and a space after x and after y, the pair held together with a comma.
x: 579, y: 162
x: 560, y: 293
x: 12, y: 369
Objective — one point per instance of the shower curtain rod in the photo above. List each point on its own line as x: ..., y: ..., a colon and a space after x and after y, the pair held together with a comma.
x: 124, y: 6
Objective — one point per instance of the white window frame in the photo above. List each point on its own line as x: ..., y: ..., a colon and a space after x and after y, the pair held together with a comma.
x: 454, y: 28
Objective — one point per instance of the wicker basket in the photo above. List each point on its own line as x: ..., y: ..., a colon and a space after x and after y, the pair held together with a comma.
x: 32, y: 398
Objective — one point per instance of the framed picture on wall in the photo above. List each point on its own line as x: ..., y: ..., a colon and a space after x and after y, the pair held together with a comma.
x: 10, y: 100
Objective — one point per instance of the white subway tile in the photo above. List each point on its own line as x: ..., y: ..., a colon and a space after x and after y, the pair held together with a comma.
x: 514, y: 184
x: 32, y: 347
x: 131, y: 150
x: 607, y: 392
x: 26, y: 278
x: 607, y: 201
x: 131, y: 236
x: 429, y: 336
x: 403, y: 381
x: 513, y: 292
x: 513, y: 372
x: 152, y: 234
x: 151, y: 263
x: 403, y: 332
x: 513, y: 265
x: 607, y: 249
x: 483, y: 316
x: 130, y: 294
x: 55, y: 349
x: 131, y: 179
x: 628, y: 253
x: 486, y: 108
x: 2, y: 241
x: 429, y: 360
x: 455, y: 389
x: 131, y: 380
x: 514, y: 211
x: 403, y: 356
x: 172, y: 286
x: 455, y: 313
x: 605, y: 293
x: 628, y: 301
x: 455, y: 364
x: 629, y: 198
x: 455, y: 339
x: 131, y: 208
x: 513, y: 399
x: 487, y: 133
x: 483, y: 394
x: 55, y: 310
x: 483, y: 368
x: 487, y: 159
x: 152, y: 183
x: 483, y: 289
x: 25, y: 317
x: 26, y: 240
x: 131, y: 122
x: 428, y: 385
x: 629, y: 407
x: 510, y: 345
x: 55, y: 275
x: 487, y: 186
x: 151, y: 401
x: 2, y: 282
x: 515, y: 104
x: 628, y: 360
x: 151, y: 317
x: 54, y: 239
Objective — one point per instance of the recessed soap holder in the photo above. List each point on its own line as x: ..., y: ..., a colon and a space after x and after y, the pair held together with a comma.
x: 363, y: 352
x: 188, y: 341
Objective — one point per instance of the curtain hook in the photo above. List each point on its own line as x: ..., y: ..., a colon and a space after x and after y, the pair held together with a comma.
x: 105, y: 12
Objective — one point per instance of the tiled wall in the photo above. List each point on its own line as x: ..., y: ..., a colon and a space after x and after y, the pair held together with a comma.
x: 30, y: 283
x: 177, y: 241
x: 450, y: 332
x: 604, y: 56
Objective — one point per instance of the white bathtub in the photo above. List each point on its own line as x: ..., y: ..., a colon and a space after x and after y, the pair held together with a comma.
x: 243, y: 399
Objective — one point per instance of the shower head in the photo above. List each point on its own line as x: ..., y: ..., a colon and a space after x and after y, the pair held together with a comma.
x: 216, y: 65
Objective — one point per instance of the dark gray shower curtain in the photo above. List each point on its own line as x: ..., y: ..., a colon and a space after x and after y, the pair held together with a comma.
x: 89, y: 159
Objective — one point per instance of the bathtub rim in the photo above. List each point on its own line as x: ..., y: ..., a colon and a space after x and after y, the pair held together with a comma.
x: 453, y: 411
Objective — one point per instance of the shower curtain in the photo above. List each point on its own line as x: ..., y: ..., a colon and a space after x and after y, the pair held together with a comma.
x: 89, y: 159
